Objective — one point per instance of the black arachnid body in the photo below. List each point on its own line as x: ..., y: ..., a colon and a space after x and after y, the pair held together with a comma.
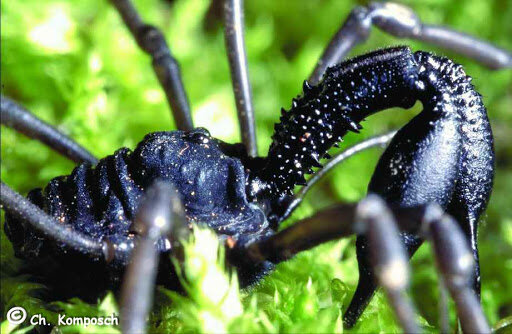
x: 91, y: 221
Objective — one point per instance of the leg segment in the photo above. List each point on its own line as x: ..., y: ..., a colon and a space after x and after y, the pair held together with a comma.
x: 401, y: 21
x: 444, y: 321
x: 455, y: 262
x: 368, y: 282
x: 235, y: 45
x: 387, y: 257
x: 160, y: 218
x: 151, y: 40
x: 467, y: 213
x: 369, y: 217
x: 15, y: 116
x: 379, y: 140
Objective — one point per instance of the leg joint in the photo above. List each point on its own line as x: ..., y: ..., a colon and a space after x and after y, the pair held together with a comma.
x: 152, y: 41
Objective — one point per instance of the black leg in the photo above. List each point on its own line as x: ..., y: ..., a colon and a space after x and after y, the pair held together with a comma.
x: 379, y: 140
x: 15, y: 116
x: 455, y: 262
x: 387, y: 256
x: 22, y: 209
x: 444, y: 321
x: 452, y: 250
x: 367, y: 284
x: 151, y: 40
x: 369, y: 217
x: 159, y: 220
x: 400, y: 21
x: 465, y: 214
x: 323, y: 226
x: 235, y: 45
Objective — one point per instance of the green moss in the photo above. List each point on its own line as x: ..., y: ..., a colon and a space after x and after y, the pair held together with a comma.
x: 74, y: 65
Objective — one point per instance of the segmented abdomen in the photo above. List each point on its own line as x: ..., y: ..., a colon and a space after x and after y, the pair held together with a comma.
x: 99, y: 202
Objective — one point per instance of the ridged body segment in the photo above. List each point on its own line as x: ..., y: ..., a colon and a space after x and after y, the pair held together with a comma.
x: 101, y: 202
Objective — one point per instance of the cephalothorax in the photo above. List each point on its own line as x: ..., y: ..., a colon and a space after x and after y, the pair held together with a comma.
x: 442, y: 160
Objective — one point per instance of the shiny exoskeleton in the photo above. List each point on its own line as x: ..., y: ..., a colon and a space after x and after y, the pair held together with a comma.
x: 101, y: 201
x: 444, y: 156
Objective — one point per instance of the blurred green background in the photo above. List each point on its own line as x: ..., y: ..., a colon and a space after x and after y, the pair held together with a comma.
x: 74, y: 65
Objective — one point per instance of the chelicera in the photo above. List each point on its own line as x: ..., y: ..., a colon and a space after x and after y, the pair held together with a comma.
x: 115, y: 217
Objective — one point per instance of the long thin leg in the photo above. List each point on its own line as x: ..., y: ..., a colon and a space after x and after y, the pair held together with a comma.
x: 152, y: 41
x: 390, y: 260
x: 454, y: 258
x: 465, y: 214
x: 235, y: 45
x: 15, y: 116
x: 400, y: 21
x: 323, y: 226
x: 444, y: 321
x: 455, y: 261
x: 370, y: 217
x: 22, y: 209
x: 160, y: 216
x: 379, y: 140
